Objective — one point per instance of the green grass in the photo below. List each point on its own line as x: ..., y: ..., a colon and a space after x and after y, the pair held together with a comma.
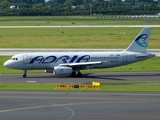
x: 74, y: 20
x: 27, y: 87
x: 118, y: 86
x: 73, y: 38
x: 147, y: 65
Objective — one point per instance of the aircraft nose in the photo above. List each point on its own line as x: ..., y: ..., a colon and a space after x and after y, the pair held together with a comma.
x: 7, y: 64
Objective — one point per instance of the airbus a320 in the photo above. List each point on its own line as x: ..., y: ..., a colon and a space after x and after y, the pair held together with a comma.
x: 71, y: 63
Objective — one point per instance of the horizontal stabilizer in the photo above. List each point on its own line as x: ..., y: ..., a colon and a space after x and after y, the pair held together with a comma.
x: 141, y: 56
x: 145, y: 56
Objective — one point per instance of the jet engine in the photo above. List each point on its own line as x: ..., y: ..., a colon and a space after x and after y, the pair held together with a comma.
x: 61, y: 70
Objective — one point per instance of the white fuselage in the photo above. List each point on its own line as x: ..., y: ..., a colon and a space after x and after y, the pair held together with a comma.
x: 48, y: 60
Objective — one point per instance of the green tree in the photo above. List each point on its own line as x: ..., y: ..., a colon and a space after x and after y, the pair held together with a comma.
x: 38, y: 1
x: 62, y: 1
x: 130, y: 2
x: 144, y: 1
x: 69, y: 3
x: 5, y: 4
x: 116, y: 2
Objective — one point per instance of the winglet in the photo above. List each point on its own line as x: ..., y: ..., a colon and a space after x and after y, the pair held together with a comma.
x: 140, y: 43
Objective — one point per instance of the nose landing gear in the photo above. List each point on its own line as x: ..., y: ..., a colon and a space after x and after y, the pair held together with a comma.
x: 25, y: 74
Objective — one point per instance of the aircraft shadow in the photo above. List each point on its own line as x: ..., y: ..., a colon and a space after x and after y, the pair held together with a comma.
x: 119, y: 76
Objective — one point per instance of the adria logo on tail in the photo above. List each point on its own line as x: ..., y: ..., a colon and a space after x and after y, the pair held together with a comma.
x: 140, y: 40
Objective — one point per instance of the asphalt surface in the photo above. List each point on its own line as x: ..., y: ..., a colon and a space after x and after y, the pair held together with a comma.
x: 81, y: 26
x: 87, y: 77
x: 13, y: 51
x: 78, y: 105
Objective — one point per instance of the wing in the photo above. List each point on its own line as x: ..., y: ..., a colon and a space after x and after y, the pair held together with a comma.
x: 83, y: 65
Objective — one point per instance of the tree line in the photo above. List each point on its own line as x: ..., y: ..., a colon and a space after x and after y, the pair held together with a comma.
x: 78, y: 7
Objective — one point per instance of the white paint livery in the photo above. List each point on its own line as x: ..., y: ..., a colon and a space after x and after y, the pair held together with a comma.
x: 70, y: 63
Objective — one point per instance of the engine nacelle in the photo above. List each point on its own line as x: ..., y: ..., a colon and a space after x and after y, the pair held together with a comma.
x: 48, y: 71
x: 60, y: 70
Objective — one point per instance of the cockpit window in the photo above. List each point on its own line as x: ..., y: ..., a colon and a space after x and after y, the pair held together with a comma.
x: 13, y: 58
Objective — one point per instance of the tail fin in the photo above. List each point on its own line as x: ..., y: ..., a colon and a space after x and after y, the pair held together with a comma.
x: 140, y: 43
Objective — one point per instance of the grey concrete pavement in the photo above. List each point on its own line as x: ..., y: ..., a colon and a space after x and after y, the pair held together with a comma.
x: 78, y: 105
x: 87, y: 77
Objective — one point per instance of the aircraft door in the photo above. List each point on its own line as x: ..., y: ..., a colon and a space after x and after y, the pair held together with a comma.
x: 125, y: 58
x: 25, y: 59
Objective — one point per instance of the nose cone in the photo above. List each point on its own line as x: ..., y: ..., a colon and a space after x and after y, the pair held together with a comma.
x: 9, y: 64
x: 6, y: 64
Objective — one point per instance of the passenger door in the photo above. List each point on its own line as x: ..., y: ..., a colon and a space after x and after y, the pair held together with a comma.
x: 25, y: 59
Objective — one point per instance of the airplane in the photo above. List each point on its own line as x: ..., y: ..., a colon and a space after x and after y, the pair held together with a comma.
x: 71, y: 63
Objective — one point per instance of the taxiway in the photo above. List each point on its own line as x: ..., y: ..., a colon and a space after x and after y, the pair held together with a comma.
x: 87, y: 77
x: 78, y: 105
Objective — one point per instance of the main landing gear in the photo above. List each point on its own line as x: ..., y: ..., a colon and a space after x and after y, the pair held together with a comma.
x: 79, y: 74
x: 25, y: 74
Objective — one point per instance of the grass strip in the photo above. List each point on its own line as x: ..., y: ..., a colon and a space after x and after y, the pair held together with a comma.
x: 27, y: 87
x: 109, y: 38
x: 74, y: 20
x: 108, y: 88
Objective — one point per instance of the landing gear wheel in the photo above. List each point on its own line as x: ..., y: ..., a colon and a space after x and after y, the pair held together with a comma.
x: 73, y: 74
x: 79, y: 74
x: 25, y: 74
